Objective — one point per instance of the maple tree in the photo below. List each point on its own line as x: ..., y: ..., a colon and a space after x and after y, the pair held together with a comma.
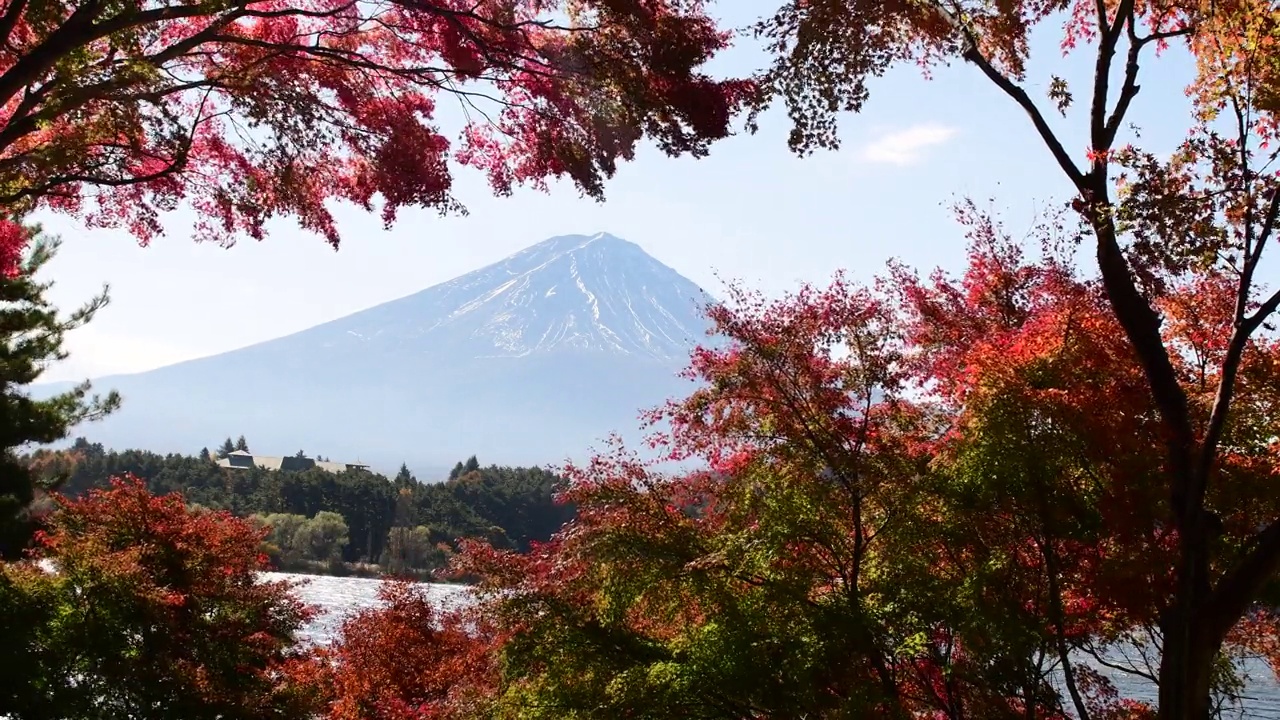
x: 777, y: 583
x: 783, y: 581
x: 149, y: 608
x: 1162, y: 228
x: 406, y: 659
x: 909, y: 507
x: 250, y: 109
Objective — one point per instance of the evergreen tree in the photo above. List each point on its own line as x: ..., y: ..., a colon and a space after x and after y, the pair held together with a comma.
x: 404, y: 478
x: 300, y: 455
x: 227, y: 448
x: 204, y: 454
x: 472, y: 465
x: 83, y: 447
x: 241, y: 444
x: 31, y: 338
x: 457, y: 471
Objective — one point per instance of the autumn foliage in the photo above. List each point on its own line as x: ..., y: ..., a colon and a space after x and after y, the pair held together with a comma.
x: 247, y: 111
x: 406, y: 659
x: 1176, y: 239
x: 146, y: 607
x: 983, y: 496
x: 906, y: 503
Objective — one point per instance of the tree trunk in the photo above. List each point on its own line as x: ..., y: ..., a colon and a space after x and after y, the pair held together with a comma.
x: 1185, y: 668
x: 1189, y: 646
x: 1190, y: 643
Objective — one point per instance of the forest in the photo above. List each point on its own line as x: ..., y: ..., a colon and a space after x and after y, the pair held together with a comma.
x: 356, y: 521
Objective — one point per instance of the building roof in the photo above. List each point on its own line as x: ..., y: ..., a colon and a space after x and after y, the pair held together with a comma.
x: 268, y: 463
x: 292, y: 462
x: 337, y: 467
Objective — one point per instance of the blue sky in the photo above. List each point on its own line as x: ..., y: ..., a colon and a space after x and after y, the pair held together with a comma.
x: 752, y: 211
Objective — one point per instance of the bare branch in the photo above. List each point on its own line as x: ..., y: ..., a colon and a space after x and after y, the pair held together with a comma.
x: 1099, y: 123
x: 1128, y: 89
x: 972, y: 54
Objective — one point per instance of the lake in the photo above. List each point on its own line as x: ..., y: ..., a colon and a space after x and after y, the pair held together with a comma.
x: 337, y: 597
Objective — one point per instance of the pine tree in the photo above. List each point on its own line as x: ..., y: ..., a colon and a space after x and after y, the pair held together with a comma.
x: 404, y: 478
x: 241, y: 444
x: 31, y: 338
x: 472, y: 465
x: 227, y: 448
x: 457, y: 471
x: 204, y: 454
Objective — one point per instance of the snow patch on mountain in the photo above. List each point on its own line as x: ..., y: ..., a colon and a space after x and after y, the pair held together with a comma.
x: 595, y: 293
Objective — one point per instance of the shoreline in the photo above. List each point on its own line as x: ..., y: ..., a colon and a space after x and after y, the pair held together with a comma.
x: 365, y: 571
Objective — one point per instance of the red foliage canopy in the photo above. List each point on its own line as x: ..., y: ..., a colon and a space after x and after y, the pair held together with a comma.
x: 256, y: 108
x: 161, y: 607
x: 913, y: 508
x: 405, y: 660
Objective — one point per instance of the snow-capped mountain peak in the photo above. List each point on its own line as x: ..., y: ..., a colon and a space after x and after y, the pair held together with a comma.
x: 530, y: 360
x: 595, y: 293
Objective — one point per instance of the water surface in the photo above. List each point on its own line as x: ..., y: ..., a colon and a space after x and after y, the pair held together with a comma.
x: 337, y: 597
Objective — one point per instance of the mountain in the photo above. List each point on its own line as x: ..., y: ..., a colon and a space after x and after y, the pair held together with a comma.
x: 530, y: 360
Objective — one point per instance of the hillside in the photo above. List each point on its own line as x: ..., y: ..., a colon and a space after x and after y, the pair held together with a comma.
x: 529, y: 360
x: 507, y: 506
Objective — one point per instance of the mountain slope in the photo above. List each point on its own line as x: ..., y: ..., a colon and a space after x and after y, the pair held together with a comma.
x: 529, y: 360
x: 595, y: 293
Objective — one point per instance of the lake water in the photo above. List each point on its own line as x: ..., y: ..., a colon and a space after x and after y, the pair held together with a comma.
x: 336, y: 598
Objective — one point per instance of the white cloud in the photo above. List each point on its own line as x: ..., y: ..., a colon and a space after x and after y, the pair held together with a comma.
x: 906, y: 146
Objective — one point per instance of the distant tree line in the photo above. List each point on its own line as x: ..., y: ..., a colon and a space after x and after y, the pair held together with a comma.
x: 328, y: 521
x: 296, y: 539
x: 228, y: 447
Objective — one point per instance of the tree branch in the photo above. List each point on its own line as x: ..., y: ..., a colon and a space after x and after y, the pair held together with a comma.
x: 1128, y: 89
x: 1134, y: 312
x: 1098, y: 121
x: 78, y: 31
x: 1245, y: 327
x: 24, y: 121
x: 1233, y: 596
x: 10, y: 19
x: 1264, y: 234
x: 1037, y: 118
x: 972, y: 54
